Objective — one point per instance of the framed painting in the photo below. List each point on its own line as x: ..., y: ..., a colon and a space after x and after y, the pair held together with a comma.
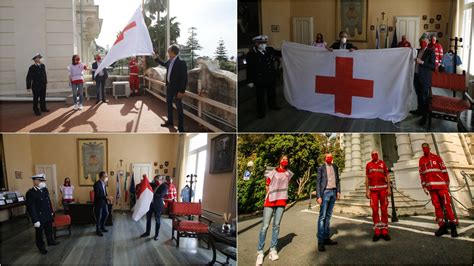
x: 351, y: 16
x: 222, y: 154
x: 248, y: 22
x: 93, y: 158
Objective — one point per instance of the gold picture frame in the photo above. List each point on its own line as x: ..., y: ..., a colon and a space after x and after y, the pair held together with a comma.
x: 92, y: 158
x: 348, y: 13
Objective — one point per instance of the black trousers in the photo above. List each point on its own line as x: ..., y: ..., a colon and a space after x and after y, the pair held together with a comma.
x: 422, y: 94
x: 157, y: 211
x: 47, y: 228
x: 268, y: 88
x: 39, y: 96
x: 101, y: 214
x: 170, y: 96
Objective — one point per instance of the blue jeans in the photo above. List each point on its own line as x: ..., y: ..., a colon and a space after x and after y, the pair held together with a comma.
x: 325, y: 213
x: 77, y: 90
x: 100, y: 88
x: 267, y: 216
x: 179, y: 107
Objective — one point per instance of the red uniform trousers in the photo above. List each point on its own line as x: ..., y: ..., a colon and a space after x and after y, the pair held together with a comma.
x: 380, y: 223
x: 134, y: 84
x: 440, y: 198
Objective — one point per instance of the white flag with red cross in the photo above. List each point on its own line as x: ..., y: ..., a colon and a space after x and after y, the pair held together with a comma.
x: 133, y: 40
x: 142, y: 205
x: 360, y: 84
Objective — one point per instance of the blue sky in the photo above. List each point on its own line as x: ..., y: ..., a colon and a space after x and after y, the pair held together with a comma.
x: 214, y: 19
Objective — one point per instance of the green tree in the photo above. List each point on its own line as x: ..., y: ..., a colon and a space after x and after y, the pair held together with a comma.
x: 305, y: 152
x: 221, y: 52
x: 192, y: 45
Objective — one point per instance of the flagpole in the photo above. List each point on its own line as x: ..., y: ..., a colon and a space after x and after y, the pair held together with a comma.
x: 143, y: 57
x: 168, y: 34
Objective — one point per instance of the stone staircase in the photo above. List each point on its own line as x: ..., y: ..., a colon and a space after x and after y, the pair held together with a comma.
x: 357, y: 203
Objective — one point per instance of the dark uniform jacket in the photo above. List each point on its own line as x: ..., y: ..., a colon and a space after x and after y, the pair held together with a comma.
x: 425, y: 70
x: 104, y: 77
x: 158, y: 195
x: 179, y: 75
x: 322, y: 180
x: 100, y: 194
x: 261, y: 68
x: 337, y: 46
x: 36, y: 77
x: 39, y: 205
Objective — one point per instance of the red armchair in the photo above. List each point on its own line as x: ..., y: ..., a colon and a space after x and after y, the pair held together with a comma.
x: 445, y: 107
x: 188, y: 228
x: 60, y: 222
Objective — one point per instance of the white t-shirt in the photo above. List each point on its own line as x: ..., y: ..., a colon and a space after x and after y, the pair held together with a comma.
x: 67, y: 191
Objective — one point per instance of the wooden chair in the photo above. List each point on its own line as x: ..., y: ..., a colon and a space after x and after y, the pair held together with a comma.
x: 445, y: 107
x: 61, y: 222
x: 189, y: 228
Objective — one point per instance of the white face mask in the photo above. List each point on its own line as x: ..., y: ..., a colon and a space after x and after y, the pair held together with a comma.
x: 262, y: 47
x: 106, y: 180
x: 42, y: 185
x: 344, y: 40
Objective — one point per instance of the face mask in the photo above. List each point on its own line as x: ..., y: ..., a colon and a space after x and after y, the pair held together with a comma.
x: 98, y: 58
x: 284, y: 163
x: 423, y: 45
x: 42, y: 185
x: 329, y: 159
x: 106, y: 180
x: 262, y: 47
x: 426, y: 150
x: 375, y: 157
x: 343, y: 39
x: 433, y: 41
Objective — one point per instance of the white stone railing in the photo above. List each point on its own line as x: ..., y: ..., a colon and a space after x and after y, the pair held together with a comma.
x: 201, y: 101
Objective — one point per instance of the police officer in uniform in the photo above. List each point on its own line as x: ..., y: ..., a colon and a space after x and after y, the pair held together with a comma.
x: 36, y: 81
x: 261, y: 73
x: 156, y: 206
x: 40, y: 209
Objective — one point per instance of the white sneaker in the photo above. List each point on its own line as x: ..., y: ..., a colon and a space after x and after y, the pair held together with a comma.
x: 259, y: 259
x: 273, y: 254
x: 80, y: 107
x: 75, y: 106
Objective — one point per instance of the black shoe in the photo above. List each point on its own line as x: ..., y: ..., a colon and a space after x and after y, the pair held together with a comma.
x: 37, y: 113
x: 386, y: 237
x: 99, y: 233
x: 53, y: 243
x: 423, y: 121
x: 104, y: 230
x: 167, y: 125
x: 181, y: 130
x: 155, y: 238
x: 145, y: 235
x: 105, y: 101
x: 44, y: 110
x: 441, y: 231
x: 321, y: 247
x: 260, y: 116
x: 416, y: 112
x: 376, y: 238
x: 329, y: 242
x: 43, y: 251
x: 454, y: 232
x: 275, y: 107
x: 96, y: 102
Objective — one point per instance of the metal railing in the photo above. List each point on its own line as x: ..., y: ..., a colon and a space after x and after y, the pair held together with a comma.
x: 196, y: 112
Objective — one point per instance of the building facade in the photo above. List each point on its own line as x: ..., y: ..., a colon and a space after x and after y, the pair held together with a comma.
x: 401, y: 152
x: 55, y: 28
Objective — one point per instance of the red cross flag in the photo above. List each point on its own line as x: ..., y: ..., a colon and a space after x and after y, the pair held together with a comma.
x: 361, y: 84
x: 133, y: 40
x: 142, y: 205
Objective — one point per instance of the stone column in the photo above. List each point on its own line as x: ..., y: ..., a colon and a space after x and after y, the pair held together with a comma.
x: 405, y: 152
x: 416, y: 141
x: 348, y: 152
x: 450, y: 148
x: 356, y: 153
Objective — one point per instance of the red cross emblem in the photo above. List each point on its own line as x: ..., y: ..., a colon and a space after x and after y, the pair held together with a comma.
x: 129, y: 26
x: 344, y: 86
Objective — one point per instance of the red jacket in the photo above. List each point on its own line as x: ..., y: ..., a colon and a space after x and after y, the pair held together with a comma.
x: 376, y: 173
x: 438, y: 49
x: 133, y: 67
x: 433, y: 172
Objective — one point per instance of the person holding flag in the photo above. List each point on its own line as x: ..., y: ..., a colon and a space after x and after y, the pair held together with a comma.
x: 176, y: 82
x: 156, y: 207
x: 133, y: 77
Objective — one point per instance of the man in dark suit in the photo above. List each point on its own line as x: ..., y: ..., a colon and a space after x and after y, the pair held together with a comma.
x: 36, y: 81
x: 425, y: 65
x: 156, y: 206
x: 176, y: 82
x: 40, y: 210
x: 262, y: 73
x: 99, y: 80
x: 327, y: 191
x: 342, y: 43
x: 100, y: 203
